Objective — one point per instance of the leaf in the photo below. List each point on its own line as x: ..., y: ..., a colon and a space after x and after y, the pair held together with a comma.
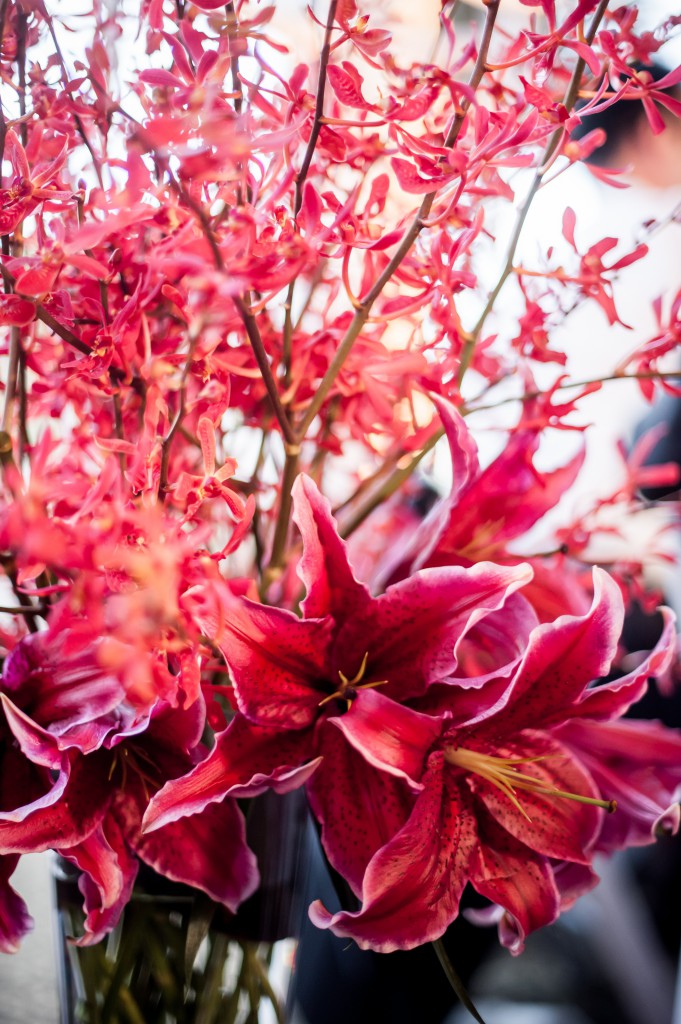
x: 200, y: 921
x: 454, y: 980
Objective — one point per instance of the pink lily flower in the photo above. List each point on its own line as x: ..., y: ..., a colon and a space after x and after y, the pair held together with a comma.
x: 291, y: 674
x: 506, y: 802
x: 489, y: 508
x: 15, y: 921
x: 81, y: 764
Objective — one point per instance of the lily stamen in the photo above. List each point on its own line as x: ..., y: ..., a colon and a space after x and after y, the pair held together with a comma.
x: 503, y: 773
x: 348, y: 686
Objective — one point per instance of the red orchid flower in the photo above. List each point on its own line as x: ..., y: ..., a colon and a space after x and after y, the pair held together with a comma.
x: 191, y: 491
x: 28, y: 189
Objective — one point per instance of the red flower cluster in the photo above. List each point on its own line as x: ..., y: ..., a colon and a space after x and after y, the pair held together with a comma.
x: 237, y: 287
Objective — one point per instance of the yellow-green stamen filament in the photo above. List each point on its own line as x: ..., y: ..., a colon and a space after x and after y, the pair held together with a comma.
x: 503, y: 772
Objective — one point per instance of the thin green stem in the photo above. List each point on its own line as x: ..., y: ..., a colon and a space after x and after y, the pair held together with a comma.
x: 12, y: 373
x: 454, y: 980
x: 529, y: 395
x: 166, y: 443
x: 282, y: 525
x: 318, y: 112
x: 263, y: 362
x: 388, y: 488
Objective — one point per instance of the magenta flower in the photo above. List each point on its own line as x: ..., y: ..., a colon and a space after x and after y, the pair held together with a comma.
x: 80, y: 765
x: 290, y: 673
x: 487, y: 508
x: 505, y: 804
x: 15, y: 920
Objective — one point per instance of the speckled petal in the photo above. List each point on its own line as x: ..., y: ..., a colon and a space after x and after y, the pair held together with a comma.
x: 359, y: 808
x: 412, y: 630
x: 413, y: 885
x: 521, y: 882
x: 555, y: 826
x: 636, y: 763
x: 389, y: 736
x: 562, y: 658
x: 278, y: 663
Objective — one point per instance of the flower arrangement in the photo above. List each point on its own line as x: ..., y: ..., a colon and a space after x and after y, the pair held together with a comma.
x: 238, y: 288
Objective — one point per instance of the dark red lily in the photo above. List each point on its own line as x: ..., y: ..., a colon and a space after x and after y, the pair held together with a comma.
x: 292, y: 673
x: 80, y: 766
x: 504, y: 800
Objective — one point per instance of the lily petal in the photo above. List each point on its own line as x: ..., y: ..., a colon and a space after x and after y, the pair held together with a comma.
x: 389, y: 736
x: 245, y: 761
x: 275, y: 659
x: 561, y: 659
x: 109, y: 872
x: 551, y: 825
x: 15, y: 920
x: 610, y: 700
x: 207, y: 851
x: 331, y: 587
x: 65, y: 816
x: 523, y: 884
x: 619, y: 756
x: 411, y: 631
x: 358, y: 807
x: 413, y: 885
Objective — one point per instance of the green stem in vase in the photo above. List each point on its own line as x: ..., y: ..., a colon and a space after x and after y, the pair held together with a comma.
x: 454, y: 979
x: 260, y: 968
x: 210, y: 997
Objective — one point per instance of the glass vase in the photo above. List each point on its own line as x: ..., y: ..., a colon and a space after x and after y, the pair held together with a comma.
x: 176, y: 957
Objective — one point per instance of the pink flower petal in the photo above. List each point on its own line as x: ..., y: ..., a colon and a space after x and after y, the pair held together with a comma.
x: 413, y: 885
x: 638, y: 764
x: 208, y: 851
x: 561, y: 659
x: 15, y: 920
x: 66, y: 815
x: 324, y: 568
x: 275, y: 659
x: 359, y: 809
x: 610, y: 700
x: 555, y: 827
x: 411, y: 631
x: 245, y: 761
x: 522, y: 883
x: 109, y: 872
x: 388, y: 735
